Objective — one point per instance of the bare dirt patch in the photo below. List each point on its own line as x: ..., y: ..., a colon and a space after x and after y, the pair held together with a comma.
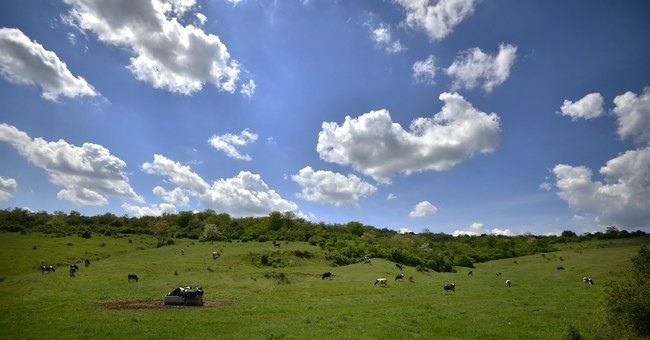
x: 157, y: 304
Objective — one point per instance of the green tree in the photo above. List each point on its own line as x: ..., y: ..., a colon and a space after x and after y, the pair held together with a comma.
x: 627, y: 301
x: 211, y: 232
x: 163, y: 231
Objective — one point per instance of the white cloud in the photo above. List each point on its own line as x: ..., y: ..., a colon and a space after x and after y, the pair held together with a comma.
x: 404, y: 231
x: 244, y: 195
x: 589, y: 107
x: 391, y: 197
x: 546, y: 186
x: 633, y: 114
x: 475, y: 68
x: 248, y: 89
x: 25, y: 62
x: 227, y: 143
x: 422, y: 209
x: 624, y: 198
x: 382, y: 37
x: 329, y: 187
x: 72, y: 38
x: 202, y: 18
x: 88, y: 173
x: 167, y: 55
x: 425, y: 71
x: 7, y: 188
x: 176, y: 196
x: 436, y: 18
x: 477, y: 229
x: 376, y: 146
x: 152, y: 210
x: 578, y: 218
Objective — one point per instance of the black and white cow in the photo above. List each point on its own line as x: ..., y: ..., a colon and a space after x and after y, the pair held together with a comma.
x: 48, y: 269
x: 449, y: 286
x: 399, y: 277
x: 276, y: 244
x: 193, y: 293
x: 381, y: 281
x: 366, y: 260
x: 73, y: 269
x: 508, y: 283
x: 498, y: 273
x: 133, y: 277
x: 411, y: 279
x: 215, y: 255
x: 327, y: 275
x: 470, y: 273
x: 182, y: 251
x: 588, y: 280
x: 399, y: 265
x: 87, y: 262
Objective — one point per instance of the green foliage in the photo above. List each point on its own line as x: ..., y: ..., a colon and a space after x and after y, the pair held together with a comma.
x: 628, y: 296
x: 572, y: 334
x: 211, y: 232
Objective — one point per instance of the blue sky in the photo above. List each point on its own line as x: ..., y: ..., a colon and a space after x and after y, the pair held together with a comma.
x: 458, y: 116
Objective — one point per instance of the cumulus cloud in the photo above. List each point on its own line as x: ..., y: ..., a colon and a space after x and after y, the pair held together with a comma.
x: 376, y: 146
x: 589, y: 107
x: 176, y: 196
x: 476, y: 229
x: 391, y: 197
x: 329, y: 187
x: 425, y: 70
x: 166, y: 54
x: 227, y: 143
x: 152, y: 210
x: 633, y: 114
x: 383, y: 38
x: 475, y: 68
x: 88, y: 173
x: 243, y: 195
x: 248, y: 89
x: 624, y: 198
x: 404, y: 231
x: 436, y: 18
x: 27, y: 62
x: 7, y: 188
x: 422, y: 209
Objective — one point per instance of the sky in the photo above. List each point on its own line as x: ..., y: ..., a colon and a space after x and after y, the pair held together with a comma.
x: 455, y: 116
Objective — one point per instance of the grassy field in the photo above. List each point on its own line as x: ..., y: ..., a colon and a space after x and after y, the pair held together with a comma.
x: 245, y: 300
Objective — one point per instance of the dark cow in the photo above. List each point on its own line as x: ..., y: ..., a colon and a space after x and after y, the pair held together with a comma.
x: 381, y: 281
x: 47, y: 269
x: 508, y: 283
x: 449, y: 286
x: 276, y: 244
x: 133, y: 277
x: 411, y: 279
x: 498, y: 273
x: 470, y: 273
x: 399, y: 277
x: 560, y: 268
x: 399, y: 265
x: 327, y: 275
x: 87, y: 262
x: 215, y: 255
x: 73, y: 269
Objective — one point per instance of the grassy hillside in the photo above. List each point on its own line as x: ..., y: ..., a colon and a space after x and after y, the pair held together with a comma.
x: 285, y: 298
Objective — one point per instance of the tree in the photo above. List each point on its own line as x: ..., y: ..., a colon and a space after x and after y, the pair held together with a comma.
x: 627, y: 303
x: 211, y: 232
x: 162, y: 231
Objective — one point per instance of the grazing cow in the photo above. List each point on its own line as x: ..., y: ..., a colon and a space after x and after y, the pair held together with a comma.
x: 182, y: 251
x: 470, y: 273
x: 47, y: 269
x: 133, y: 277
x: 498, y: 273
x: 399, y: 265
x: 560, y: 268
x: 73, y: 269
x: 193, y: 293
x: 508, y: 283
x: 411, y: 279
x: 276, y: 244
x: 366, y: 260
x: 327, y: 275
x: 215, y: 255
x: 399, y: 277
x: 450, y: 286
x: 381, y: 282
x: 588, y: 280
x: 87, y: 262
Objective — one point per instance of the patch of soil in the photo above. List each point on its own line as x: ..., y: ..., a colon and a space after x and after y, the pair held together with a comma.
x: 157, y: 304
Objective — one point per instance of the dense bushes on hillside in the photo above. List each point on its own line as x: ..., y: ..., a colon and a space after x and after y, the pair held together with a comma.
x: 343, y: 243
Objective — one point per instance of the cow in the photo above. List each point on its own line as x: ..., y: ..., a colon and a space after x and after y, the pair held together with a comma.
x: 587, y: 280
x: 508, y: 283
x: 399, y: 265
x: 47, y: 269
x: 498, y: 273
x: 560, y: 268
x: 133, y: 277
x: 276, y: 244
x: 87, y: 262
x: 366, y: 260
x: 381, y: 281
x: 193, y: 293
x: 215, y: 255
x: 73, y: 269
x: 470, y: 273
x: 182, y: 251
x: 449, y: 286
x: 327, y: 275
x: 411, y: 279
x: 399, y: 277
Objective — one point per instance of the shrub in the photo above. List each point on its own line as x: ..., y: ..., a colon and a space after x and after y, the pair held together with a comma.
x: 572, y: 334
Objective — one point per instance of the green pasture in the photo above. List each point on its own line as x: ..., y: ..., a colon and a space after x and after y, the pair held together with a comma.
x: 286, y: 298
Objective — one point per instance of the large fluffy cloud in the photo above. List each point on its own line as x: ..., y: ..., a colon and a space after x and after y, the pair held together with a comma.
x: 23, y: 61
x: 633, y: 114
x: 7, y: 188
x: 422, y: 209
x: 624, y: 198
x: 176, y: 196
x: 227, y: 143
x: 476, y: 229
x: 152, y: 210
x: 244, y: 195
x: 88, y: 173
x: 329, y: 187
x: 374, y: 145
x: 475, y: 68
x: 436, y: 18
x: 167, y: 54
x: 589, y: 107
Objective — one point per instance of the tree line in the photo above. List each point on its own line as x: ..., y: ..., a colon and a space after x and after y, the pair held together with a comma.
x: 343, y: 243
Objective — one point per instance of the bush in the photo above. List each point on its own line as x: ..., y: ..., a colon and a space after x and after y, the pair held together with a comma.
x: 572, y: 334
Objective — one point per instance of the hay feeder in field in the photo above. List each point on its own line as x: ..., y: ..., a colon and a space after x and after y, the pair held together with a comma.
x: 185, y: 296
